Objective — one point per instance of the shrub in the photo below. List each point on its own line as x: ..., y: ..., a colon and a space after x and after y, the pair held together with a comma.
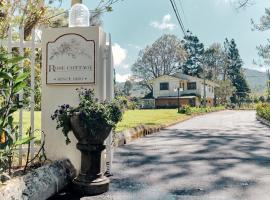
x: 185, y: 110
x: 12, y: 83
x: 263, y: 110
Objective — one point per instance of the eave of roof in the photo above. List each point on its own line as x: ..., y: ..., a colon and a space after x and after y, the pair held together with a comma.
x: 175, y: 97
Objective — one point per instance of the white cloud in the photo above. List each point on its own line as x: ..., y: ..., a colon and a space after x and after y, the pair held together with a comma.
x: 122, y: 78
x: 134, y: 46
x: 126, y: 66
x: 165, y: 24
x: 119, y: 54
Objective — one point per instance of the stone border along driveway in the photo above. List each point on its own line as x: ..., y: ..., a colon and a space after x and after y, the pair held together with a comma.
x: 132, y: 134
x: 262, y: 120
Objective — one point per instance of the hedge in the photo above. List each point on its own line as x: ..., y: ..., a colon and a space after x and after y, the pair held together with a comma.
x: 263, y: 110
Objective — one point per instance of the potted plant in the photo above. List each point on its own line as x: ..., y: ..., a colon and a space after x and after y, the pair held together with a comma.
x: 91, y: 123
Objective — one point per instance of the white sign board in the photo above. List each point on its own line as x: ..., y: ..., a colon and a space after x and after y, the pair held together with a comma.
x: 70, y: 60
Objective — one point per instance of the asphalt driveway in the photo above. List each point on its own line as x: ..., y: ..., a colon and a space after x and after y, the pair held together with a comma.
x: 219, y: 156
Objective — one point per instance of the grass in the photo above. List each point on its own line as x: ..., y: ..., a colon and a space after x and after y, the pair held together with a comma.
x: 26, y: 121
x: 131, y: 118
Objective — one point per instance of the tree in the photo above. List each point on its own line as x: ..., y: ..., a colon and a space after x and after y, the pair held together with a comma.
x: 214, y: 60
x: 263, y: 50
x: 102, y: 7
x: 262, y: 99
x: 268, y: 86
x: 234, y: 71
x: 244, y: 3
x: 127, y: 88
x: 262, y: 25
x: 164, y: 57
x: 195, y: 51
x: 28, y: 15
x: 224, y: 91
x: 34, y: 13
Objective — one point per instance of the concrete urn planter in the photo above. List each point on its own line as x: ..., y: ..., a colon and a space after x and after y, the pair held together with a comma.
x: 90, y: 181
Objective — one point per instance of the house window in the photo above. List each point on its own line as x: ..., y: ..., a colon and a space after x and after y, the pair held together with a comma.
x: 182, y: 85
x: 164, y: 86
x: 191, y: 86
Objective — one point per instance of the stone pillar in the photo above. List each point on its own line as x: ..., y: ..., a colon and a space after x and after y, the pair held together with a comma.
x: 54, y: 95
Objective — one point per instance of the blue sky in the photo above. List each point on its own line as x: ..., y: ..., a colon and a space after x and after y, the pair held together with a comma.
x: 136, y: 23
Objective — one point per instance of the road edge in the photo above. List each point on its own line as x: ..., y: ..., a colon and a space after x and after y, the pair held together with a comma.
x: 262, y: 120
x: 127, y: 136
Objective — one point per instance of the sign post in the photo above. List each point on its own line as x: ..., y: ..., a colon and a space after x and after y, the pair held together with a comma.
x: 72, y: 58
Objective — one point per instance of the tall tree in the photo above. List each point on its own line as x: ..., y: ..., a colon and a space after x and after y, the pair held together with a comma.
x: 164, y: 57
x: 127, y: 87
x: 224, y: 91
x: 234, y: 71
x: 263, y: 50
x: 214, y: 60
x: 195, y: 52
x: 268, y: 86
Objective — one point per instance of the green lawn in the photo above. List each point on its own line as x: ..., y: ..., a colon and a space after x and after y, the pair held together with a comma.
x: 26, y: 119
x: 133, y: 118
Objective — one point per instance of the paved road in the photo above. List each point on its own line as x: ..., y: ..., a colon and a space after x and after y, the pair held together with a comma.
x: 219, y: 156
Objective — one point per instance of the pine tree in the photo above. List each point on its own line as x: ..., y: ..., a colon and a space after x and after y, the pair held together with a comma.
x: 195, y: 50
x: 234, y: 72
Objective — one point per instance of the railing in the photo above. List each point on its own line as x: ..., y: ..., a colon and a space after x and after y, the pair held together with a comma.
x: 9, y: 43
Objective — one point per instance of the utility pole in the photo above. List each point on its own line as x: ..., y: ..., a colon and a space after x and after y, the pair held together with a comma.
x: 268, y: 84
x: 75, y: 1
x: 204, y: 89
x: 178, y: 100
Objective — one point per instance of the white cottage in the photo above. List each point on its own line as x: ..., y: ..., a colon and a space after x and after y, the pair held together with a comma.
x: 191, y: 90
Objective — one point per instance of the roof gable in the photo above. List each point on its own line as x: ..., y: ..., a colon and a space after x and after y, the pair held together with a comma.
x: 181, y: 76
x: 164, y: 76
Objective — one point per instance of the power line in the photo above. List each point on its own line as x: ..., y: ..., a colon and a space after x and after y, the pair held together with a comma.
x: 183, y: 11
x: 178, y: 17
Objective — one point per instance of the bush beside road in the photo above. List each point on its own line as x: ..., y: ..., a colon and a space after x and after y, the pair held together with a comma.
x: 263, y: 111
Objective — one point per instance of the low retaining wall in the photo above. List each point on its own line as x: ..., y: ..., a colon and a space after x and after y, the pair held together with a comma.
x: 39, y: 184
x: 262, y: 120
x: 129, y: 135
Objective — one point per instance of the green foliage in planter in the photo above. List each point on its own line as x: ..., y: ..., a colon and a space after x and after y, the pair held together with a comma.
x: 263, y: 110
x: 12, y: 82
x: 95, y: 115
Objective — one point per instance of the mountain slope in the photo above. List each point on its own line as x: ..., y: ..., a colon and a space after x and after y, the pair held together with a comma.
x: 256, y: 80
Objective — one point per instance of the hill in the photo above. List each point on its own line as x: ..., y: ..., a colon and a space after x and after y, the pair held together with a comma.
x: 256, y: 80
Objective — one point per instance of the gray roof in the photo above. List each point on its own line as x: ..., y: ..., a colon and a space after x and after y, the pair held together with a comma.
x: 187, y: 77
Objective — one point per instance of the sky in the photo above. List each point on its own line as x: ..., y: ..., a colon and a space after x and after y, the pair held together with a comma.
x: 133, y: 24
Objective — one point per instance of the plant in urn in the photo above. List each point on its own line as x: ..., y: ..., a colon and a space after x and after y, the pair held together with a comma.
x: 91, y: 122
